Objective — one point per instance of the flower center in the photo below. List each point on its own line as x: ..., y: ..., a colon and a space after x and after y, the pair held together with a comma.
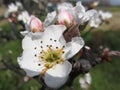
x: 51, y: 57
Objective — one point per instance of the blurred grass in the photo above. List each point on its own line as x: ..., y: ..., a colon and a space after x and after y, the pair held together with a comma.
x: 114, y: 9
x: 109, y: 8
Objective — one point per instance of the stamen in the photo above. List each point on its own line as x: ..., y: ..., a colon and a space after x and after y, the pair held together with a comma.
x: 41, y: 57
x: 41, y: 46
x: 35, y: 48
x: 63, y: 46
x: 39, y: 64
x: 55, y: 40
x: 41, y: 42
x: 44, y: 71
x: 35, y: 55
x: 51, y: 39
x: 51, y: 57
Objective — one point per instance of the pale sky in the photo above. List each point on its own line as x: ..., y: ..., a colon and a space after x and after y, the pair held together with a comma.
x: 115, y: 2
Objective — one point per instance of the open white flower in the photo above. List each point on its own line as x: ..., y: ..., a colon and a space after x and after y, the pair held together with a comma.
x: 78, y: 13
x: 68, y: 15
x: 104, y: 15
x: 82, y: 15
x: 95, y: 21
x: 12, y: 8
x: 48, y: 55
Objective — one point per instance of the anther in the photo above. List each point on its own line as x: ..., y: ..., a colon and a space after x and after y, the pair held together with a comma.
x: 63, y: 46
x: 41, y: 57
x: 51, y: 39
x: 41, y: 42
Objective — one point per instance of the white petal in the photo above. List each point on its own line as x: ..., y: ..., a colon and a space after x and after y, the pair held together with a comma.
x: 36, y: 35
x: 57, y: 76
x: 83, y: 83
x: 75, y: 45
x: 24, y: 32
x: 95, y: 22
x: 12, y: 8
x: 50, y: 19
x: 82, y: 80
x: 88, y: 15
x: 64, y: 6
x: 81, y: 7
x: 55, y: 31
x: 88, y: 78
x: 32, y: 68
x: 79, y: 12
x: 27, y: 43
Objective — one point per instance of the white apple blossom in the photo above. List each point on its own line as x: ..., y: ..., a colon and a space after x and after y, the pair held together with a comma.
x: 85, y: 81
x: 12, y: 8
x: 48, y: 55
x: 105, y: 15
x: 83, y: 15
x: 67, y: 14
x: 95, y: 21
x: 78, y: 12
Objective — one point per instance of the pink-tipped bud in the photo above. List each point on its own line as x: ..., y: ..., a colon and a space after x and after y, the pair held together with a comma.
x: 65, y: 18
x: 35, y: 24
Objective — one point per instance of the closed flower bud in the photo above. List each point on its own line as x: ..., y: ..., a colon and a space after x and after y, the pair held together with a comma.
x: 36, y: 25
x: 65, y: 18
